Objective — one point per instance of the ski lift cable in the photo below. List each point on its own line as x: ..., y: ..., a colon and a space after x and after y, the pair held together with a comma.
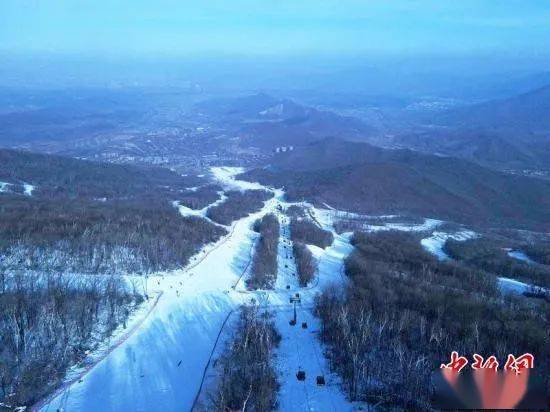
x: 321, y: 368
x: 293, y: 337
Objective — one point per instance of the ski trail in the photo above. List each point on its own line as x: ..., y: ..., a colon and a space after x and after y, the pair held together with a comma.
x: 66, y: 386
x: 300, y: 348
x: 164, y: 363
x: 161, y: 365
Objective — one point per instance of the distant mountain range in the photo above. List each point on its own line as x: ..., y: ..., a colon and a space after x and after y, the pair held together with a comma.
x: 526, y: 113
x: 511, y: 133
x: 174, y: 129
x: 362, y: 178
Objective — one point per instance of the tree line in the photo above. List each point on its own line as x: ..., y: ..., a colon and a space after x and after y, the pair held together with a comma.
x: 200, y: 197
x: 238, y: 205
x: 248, y: 379
x: 263, y: 271
x: 305, y: 231
x: 305, y: 263
x: 139, y: 236
x: 539, y: 252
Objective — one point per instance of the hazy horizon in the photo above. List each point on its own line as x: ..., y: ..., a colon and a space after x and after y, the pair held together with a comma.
x: 247, y: 27
x: 247, y: 44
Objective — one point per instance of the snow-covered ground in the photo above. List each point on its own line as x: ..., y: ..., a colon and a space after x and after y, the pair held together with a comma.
x: 162, y: 360
x: 28, y: 189
x: 508, y: 285
x: 160, y: 366
x: 225, y: 177
x: 385, y: 221
x: 427, y: 225
x: 300, y: 348
x: 158, y: 362
x: 434, y: 243
x: 4, y: 187
x: 7, y: 187
x: 519, y: 255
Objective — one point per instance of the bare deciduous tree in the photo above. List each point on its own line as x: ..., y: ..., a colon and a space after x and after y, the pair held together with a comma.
x: 248, y: 380
x: 47, y: 323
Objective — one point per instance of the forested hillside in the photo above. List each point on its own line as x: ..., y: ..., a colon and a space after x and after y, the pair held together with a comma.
x: 358, y: 177
x: 93, y: 217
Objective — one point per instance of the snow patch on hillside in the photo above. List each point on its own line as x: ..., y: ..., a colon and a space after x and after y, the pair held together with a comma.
x: 519, y: 255
x: 508, y: 285
x: 28, y: 189
x: 187, y: 211
x: 427, y: 225
x: 4, y: 187
x: 330, y: 215
x: 435, y: 243
x: 225, y: 176
x: 512, y: 286
x: 276, y: 110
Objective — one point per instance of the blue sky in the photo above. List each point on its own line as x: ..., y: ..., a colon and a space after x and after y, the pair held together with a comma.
x: 517, y: 27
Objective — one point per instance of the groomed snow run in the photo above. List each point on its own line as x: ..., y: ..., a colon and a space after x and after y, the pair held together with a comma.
x: 508, y: 285
x: 159, y: 363
x: 160, y: 366
x: 300, y: 348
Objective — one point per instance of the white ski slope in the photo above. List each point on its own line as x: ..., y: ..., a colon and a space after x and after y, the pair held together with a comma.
x: 301, y: 349
x: 163, y: 359
x: 225, y: 177
x: 160, y: 366
x: 28, y: 189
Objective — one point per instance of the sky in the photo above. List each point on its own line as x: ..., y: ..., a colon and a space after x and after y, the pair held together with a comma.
x: 275, y: 27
